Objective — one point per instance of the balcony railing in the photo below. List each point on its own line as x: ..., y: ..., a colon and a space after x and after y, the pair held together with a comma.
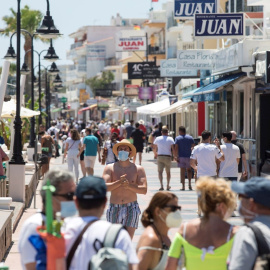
x: 76, y: 45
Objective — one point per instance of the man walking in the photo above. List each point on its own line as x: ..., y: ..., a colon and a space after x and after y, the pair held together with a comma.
x: 205, y: 155
x: 229, y: 167
x: 138, y: 139
x: 90, y: 199
x: 124, y: 180
x: 129, y: 129
x: 243, y: 160
x: 91, y: 149
x: 254, y: 208
x: 163, y: 149
x: 182, y: 152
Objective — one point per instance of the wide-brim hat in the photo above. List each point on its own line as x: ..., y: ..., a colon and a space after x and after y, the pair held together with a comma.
x: 141, y: 122
x: 127, y: 143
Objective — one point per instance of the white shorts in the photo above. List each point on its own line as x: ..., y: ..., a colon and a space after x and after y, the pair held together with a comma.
x: 89, y: 161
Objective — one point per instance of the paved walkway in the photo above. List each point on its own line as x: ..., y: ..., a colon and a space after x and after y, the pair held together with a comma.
x: 187, y: 199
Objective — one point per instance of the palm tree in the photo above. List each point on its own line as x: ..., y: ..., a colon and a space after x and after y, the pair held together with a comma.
x: 30, y: 20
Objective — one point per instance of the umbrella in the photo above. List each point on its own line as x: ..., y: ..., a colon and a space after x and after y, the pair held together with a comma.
x: 9, y: 111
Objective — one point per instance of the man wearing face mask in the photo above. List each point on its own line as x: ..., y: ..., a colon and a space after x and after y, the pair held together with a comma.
x: 124, y: 180
x: 62, y: 202
x: 254, y: 208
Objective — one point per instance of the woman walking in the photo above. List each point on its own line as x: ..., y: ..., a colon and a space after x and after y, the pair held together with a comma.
x: 47, y: 143
x: 82, y: 155
x: 73, y: 145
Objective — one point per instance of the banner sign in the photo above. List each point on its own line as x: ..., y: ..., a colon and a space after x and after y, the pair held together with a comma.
x: 135, y: 69
x: 195, y: 59
x: 219, y: 25
x: 96, y: 52
x: 206, y: 97
x: 168, y: 68
x: 145, y: 93
x: 150, y: 72
x: 103, y: 92
x: 131, y: 90
x: 130, y: 44
x: 185, y: 9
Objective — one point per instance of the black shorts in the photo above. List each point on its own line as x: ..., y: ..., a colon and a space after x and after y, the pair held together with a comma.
x: 139, y: 148
x: 82, y: 155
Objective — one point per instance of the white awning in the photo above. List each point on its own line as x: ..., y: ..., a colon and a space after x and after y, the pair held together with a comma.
x: 174, y: 107
x: 113, y: 111
x: 153, y: 108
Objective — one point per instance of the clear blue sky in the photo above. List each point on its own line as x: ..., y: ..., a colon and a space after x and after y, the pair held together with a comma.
x: 69, y: 15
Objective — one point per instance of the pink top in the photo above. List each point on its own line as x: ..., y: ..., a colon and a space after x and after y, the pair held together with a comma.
x: 2, y: 155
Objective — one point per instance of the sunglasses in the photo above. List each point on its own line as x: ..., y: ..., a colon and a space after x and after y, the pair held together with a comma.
x: 173, y: 207
x: 67, y: 196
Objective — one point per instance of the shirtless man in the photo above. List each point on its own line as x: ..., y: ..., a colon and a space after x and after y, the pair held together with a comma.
x: 124, y: 180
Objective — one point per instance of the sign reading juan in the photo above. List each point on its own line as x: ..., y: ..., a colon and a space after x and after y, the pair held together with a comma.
x: 219, y: 25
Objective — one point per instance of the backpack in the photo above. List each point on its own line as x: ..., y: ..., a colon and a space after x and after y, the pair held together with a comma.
x: 109, y: 257
x: 263, y: 260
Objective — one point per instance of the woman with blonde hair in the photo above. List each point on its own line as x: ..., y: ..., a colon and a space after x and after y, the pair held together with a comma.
x: 162, y: 214
x: 205, y: 243
x: 73, y: 146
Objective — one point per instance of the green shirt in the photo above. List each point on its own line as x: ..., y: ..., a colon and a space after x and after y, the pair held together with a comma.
x: 200, y: 259
x: 91, y: 145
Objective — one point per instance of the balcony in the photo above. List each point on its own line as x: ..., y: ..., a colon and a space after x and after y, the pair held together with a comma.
x: 155, y: 50
x: 111, y: 62
x: 76, y: 45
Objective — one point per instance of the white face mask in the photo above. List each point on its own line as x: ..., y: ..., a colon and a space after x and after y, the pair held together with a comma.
x: 173, y: 219
x: 245, y: 213
x: 123, y: 155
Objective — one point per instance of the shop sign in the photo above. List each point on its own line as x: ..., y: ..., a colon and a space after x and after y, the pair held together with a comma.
x: 129, y: 44
x: 229, y: 25
x: 135, y: 69
x: 145, y: 93
x: 256, y: 2
x: 206, y: 97
x: 150, y: 72
x: 103, y: 92
x: 168, y: 68
x: 96, y: 52
x: 185, y: 9
x: 228, y: 59
x: 195, y: 59
x: 260, y: 68
x: 91, y: 101
x: 131, y: 90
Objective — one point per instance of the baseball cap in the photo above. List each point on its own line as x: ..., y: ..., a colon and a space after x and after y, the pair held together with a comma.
x: 90, y: 188
x: 257, y: 188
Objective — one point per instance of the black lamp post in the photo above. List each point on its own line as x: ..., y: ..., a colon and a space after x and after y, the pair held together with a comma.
x: 46, y: 28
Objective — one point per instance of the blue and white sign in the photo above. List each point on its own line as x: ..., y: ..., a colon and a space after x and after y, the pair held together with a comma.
x: 185, y: 9
x: 219, y: 25
x: 168, y: 68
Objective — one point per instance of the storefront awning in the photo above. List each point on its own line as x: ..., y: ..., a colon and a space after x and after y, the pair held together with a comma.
x: 154, y: 108
x: 56, y: 110
x: 93, y: 106
x: 209, y: 92
x: 174, y: 107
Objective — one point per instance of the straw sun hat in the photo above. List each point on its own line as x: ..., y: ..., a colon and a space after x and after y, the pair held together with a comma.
x: 127, y: 143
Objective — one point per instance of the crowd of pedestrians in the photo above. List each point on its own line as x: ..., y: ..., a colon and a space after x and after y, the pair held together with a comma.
x: 207, y: 242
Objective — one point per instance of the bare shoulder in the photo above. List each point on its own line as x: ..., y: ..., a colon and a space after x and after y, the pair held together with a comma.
x: 149, y: 238
x: 140, y: 169
x: 235, y: 230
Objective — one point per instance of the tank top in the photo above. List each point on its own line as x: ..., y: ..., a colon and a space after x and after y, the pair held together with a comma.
x: 47, y: 143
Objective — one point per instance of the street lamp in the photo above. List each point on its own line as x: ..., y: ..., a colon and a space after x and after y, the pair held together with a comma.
x: 51, y: 55
x: 57, y: 81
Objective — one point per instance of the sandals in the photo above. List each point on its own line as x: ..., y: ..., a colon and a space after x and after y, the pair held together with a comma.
x: 168, y: 187
x: 161, y: 189
x: 190, y: 188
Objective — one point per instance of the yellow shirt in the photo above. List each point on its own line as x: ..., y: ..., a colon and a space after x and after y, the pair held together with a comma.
x: 203, y: 259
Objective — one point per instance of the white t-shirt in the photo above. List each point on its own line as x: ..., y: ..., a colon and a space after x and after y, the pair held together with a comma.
x: 85, y: 250
x: 206, y: 155
x: 229, y: 167
x: 110, y: 155
x: 121, y: 129
x: 26, y: 249
x: 164, y: 144
x: 73, y: 145
x: 101, y: 127
x: 54, y: 130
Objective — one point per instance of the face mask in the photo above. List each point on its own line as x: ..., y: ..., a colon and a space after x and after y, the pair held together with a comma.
x: 68, y: 209
x: 123, y: 155
x: 242, y: 211
x: 173, y: 219
x: 222, y: 141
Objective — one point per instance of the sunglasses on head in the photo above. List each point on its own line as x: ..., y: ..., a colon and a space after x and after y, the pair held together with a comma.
x: 173, y: 207
x: 67, y: 196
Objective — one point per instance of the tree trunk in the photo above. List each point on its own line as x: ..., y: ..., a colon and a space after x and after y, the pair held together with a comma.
x: 27, y: 58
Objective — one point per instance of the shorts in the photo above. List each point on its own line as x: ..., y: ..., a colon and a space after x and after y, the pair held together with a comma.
x: 126, y: 214
x: 184, y: 162
x: 82, y: 156
x: 89, y: 161
x: 139, y: 148
x: 164, y: 162
x: 230, y: 178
